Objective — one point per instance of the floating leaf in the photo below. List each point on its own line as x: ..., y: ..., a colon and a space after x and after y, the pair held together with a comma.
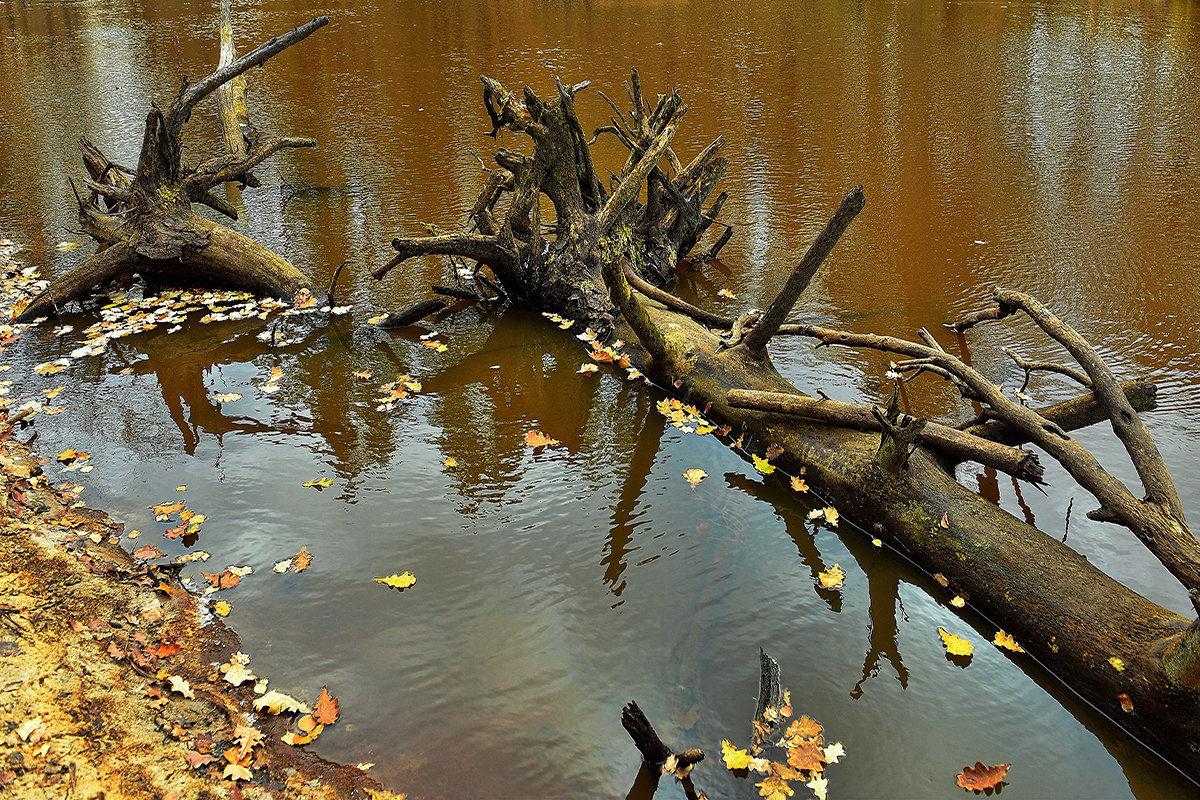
x: 763, y: 465
x: 301, y: 560
x: 820, y: 787
x: 728, y: 295
x: 734, y: 757
x: 694, y: 476
x: 227, y: 397
x: 64, y: 247
x: 146, y: 552
x: 326, y: 710
x: 363, y: 375
x: 587, y: 369
x: 833, y: 577
x: 979, y: 777
x: 957, y: 601
x: 834, y: 752
x: 398, y: 581
x: 282, y: 566
x: 1007, y: 642
x: 222, y: 608
x: 323, y: 483
x: 276, y: 703
x: 539, y: 439
x: 799, y: 485
x: 1126, y: 703
x: 774, y: 788
x: 941, y: 579
x: 449, y: 462
x: 956, y: 645
x: 831, y: 515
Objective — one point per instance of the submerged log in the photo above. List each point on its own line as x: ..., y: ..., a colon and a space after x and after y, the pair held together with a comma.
x: 144, y: 216
x: 1115, y: 648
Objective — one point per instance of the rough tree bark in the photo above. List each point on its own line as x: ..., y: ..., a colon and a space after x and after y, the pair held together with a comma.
x: 890, y: 474
x: 143, y: 217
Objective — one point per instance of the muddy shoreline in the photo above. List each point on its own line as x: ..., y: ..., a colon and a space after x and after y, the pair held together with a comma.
x: 99, y: 653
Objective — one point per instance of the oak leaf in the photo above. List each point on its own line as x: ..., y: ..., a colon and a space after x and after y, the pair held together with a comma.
x: 774, y: 788
x: 807, y: 756
x: 804, y: 728
x: 694, y: 476
x: 1006, y: 641
x: 301, y: 560
x: 398, y: 581
x: 146, y: 552
x: 832, y: 578
x: 247, y: 738
x: 955, y: 645
x: 275, y: 702
x: 734, y: 757
x: 326, y: 710
x: 834, y: 752
x: 820, y: 787
x: 539, y: 439
x: 236, y: 773
x: 179, y: 684
x: 980, y: 777
x: 196, y: 760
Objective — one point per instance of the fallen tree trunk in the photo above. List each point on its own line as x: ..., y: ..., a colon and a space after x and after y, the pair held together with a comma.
x: 1137, y: 662
x: 144, y: 216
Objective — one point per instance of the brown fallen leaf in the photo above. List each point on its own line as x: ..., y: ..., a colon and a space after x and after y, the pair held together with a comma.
x: 326, y: 710
x: 301, y: 560
x: 1126, y: 703
x: 979, y: 777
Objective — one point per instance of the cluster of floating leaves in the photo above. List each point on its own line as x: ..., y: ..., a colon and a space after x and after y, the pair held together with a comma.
x: 603, y: 354
x: 804, y: 754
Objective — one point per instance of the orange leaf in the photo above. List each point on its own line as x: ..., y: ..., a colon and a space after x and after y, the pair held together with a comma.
x: 945, y: 523
x: 1126, y: 703
x: 807, y: 755
x: 301, y: 560
x: 326, y: 710
x: 539, y: 439
x: 165, y: 649
x: 979, y: 777
x: 804, y: 728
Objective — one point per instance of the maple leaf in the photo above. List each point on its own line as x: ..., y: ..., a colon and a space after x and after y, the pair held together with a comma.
x: 762, y: 465
x: 832, y: 578
x: 236, y: 772
x: 539, y: 439
x: 799, y: 485
x: 323, y: 483
x: 734, y: 757
x: 694, y: 476
x: 774, y: 788
x: 398, y: 581
x: 956, y: 645
x: 301, y: 560
x: 1006, y: 641
x: 326, y: 710
x: 275, y: 702
x: 979, y: 777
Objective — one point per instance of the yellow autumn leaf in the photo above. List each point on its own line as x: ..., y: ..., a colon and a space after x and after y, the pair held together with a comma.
x: 398, y: 581
x: 799, y: 485
x: 763, y: 465
x: 831, y: 515
x: 734, y: 757
x: 832, y: 578
x: 222, y: 608
x: 1117, y: 664
x: 324, y: 483
x: 1006, y: 641
x: 449, y: 462
x: 277, y: 702
x: 587, y: 369
x: 956, y: 645
x: 694, y: 476
x: 958, y: 602
x: 774, y: 788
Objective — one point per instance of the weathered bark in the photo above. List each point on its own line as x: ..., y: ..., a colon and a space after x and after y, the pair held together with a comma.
x: 145, y: 215
x: 1108, y: 643
x: 557, y: 266
x: 231, y: 98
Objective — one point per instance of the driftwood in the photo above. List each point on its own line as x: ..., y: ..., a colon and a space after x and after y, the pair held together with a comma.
x: 602, y: 261
x: 143, y: 216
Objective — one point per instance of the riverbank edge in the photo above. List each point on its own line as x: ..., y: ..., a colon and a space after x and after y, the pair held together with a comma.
x: 90, y: 691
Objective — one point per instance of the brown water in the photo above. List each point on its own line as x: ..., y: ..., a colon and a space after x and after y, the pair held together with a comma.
x: 1053, y: 147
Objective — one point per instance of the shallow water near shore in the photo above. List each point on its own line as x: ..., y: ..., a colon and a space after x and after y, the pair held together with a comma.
x: 1046, y: 147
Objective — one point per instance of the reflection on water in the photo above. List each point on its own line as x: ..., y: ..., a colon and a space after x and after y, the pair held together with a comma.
x: 1050, y: 147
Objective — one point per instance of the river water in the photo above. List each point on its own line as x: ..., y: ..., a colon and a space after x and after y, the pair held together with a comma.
x: 1051, y: 147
